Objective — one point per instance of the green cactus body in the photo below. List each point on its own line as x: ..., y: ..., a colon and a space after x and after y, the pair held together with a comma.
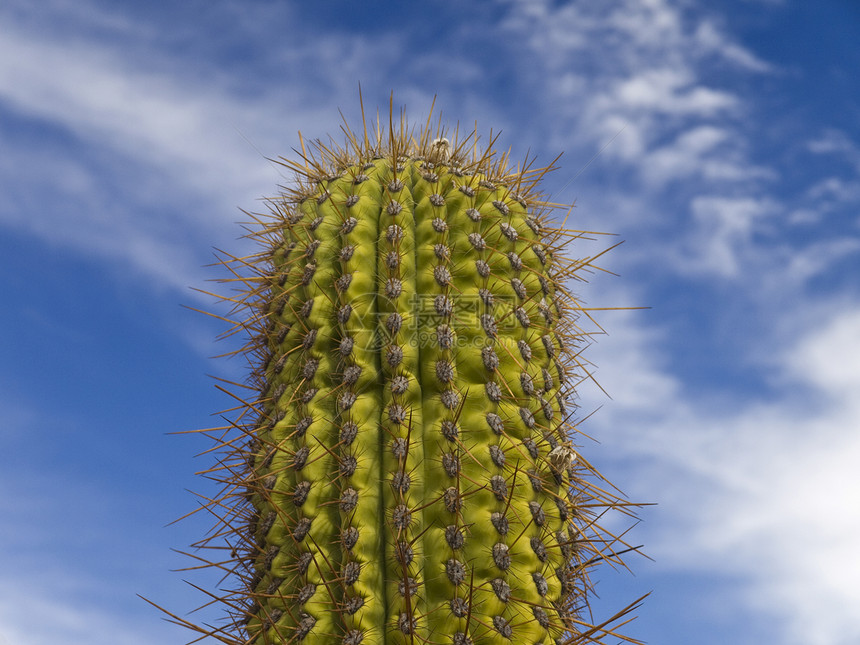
x: 408, y: 474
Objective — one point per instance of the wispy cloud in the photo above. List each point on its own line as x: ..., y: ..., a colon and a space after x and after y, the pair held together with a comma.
x: 39, y: 610
x: 79, y: 543
x: 724, y: 228
x: 123, y: 130
x: 836, y: 142
x: 639, y: 75
x: 712, y: 39
x: 638, y: 84
x: 769, y: 486
x: 96, y: 93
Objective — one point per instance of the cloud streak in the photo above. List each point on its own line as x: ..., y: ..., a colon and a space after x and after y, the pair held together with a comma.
x: 126, y: 130
x: 763, y: 490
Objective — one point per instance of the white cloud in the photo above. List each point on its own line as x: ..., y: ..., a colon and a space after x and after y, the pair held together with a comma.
x: 158, y: 152
x: 829, y: 358
x: 639, y: 74
x: 686, y: 155
x: 764, y: 491
x: 712, y: 39
x: 663, y: 21
x: 182, y: 126
x: 46, y: 609
x: 833, y: 141
x: 834, y: 191
x: 724, y: 228
x: 815, y: 259
x: 834, y: 188
x: 624, y: 351
x: 77, y: 551
x: 669, y: 91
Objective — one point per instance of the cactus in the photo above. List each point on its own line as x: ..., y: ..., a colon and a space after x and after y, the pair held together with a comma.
x: 405, y: 470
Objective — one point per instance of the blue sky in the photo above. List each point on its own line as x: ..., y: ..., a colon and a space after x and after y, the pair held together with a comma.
x: 721, y: 141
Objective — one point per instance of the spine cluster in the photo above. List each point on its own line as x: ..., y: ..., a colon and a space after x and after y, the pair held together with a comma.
x: 406, y: 472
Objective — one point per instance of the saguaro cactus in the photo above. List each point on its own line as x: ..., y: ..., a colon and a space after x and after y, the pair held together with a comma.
x: 405, y: 469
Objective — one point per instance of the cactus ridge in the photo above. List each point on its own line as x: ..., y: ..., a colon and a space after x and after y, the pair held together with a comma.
x: 404, y: 469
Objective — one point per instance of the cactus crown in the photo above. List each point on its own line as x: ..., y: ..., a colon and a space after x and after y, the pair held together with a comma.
x: 405, y: 467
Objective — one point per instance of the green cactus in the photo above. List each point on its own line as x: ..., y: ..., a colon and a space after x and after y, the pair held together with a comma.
x: 404, y: 471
